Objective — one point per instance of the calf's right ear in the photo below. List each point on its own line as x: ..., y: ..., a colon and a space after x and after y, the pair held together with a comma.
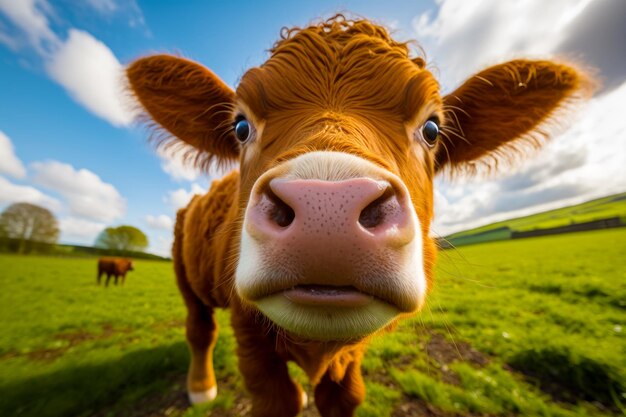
x: 186, y: 101
x: 505, y: 110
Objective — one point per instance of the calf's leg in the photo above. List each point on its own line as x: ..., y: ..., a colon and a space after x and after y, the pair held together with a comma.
x: 201, y: 337
x: 201, y: 330
x: 265, y: 373
x: 340, y: 398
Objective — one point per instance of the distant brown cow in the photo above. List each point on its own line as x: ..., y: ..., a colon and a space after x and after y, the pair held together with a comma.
x: 117, y: 267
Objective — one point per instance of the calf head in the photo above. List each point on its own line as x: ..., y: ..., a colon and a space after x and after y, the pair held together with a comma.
x: 339, y: 135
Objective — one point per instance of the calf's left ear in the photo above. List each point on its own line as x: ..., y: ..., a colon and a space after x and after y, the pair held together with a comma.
x: 189, y: 102
x: 496, y: 114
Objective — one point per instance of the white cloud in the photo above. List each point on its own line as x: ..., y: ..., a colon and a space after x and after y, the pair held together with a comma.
x: 103, y: 6
x: 594, y: 36
x: 181, y: 197
x: 173, y: 163
x: 125, y: 9
x: 13, y: 193
x: 83, y: 65
x: 92, y: 75
x: 80, y: 231
x: 86, y: 194
x: 598, y: 134
x: 160, y: 222
x: 461, y: 208
x: 9, y: 41
x: 10, y: 164
x: 466, y: 36
x: 29, y: 16
x: 440, y: 201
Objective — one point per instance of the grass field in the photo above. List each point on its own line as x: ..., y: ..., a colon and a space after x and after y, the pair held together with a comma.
x: 525, y: 327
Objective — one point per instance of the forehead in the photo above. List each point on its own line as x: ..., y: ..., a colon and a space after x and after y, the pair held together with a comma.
x: 343, y: 67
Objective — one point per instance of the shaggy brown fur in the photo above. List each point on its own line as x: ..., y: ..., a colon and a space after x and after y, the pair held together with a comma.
x: 116, y: 267
x: 338, y: 85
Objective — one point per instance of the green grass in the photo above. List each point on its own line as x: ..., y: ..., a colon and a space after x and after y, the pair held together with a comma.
x: 70, y: 347
x: 550, y: 307
x: 524, y: 327
x: 598, y: 209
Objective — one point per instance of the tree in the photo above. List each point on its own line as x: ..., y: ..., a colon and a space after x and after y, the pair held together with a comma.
x: 122, y: 238
x: 29, y: 225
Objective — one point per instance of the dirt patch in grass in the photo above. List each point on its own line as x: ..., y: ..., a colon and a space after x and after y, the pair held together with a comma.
x: 170, y: 324
x: 70, y: 340
x: 46, y: 355
x: 442, y: 352
x: 445, y: 352
x: 411, y: 407
x: 8, y: 355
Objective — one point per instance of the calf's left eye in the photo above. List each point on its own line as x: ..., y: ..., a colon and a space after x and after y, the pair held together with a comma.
x: 242, y: 130
x: 430, y: 132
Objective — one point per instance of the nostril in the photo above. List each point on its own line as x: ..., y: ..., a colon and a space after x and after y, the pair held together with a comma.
x: 279, y: 212
x: 378, y: 210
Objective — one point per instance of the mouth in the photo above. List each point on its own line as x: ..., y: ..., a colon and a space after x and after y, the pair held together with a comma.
x: 327, y: 295
x: 327, y: 312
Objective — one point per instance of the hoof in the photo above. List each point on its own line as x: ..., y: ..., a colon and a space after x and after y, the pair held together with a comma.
x: 199, y: 397
x: 305, y: 399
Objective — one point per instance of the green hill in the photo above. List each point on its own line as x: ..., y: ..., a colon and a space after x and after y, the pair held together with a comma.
x: 611, y: 207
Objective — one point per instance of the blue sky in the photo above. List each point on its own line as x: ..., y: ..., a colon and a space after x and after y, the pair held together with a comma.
x: 66, y: 143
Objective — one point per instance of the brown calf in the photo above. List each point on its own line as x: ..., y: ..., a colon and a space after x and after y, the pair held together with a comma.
x: 117, y: 267
x: 321, y: 239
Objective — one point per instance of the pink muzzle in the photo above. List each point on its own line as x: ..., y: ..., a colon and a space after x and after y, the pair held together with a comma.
x: 330, y: 232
